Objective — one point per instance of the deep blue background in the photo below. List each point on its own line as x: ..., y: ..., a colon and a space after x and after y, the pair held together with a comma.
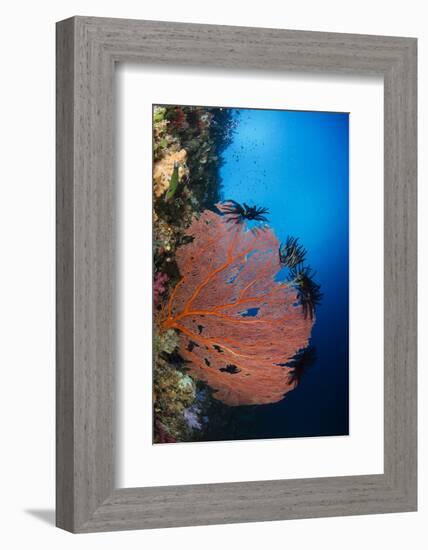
x: 297, y: 164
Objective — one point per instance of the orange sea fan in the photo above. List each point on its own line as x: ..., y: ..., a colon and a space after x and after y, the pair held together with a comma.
x: 238, y: 325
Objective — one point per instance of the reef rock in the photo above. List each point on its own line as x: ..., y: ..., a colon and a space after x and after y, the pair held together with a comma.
x: 162, y: 170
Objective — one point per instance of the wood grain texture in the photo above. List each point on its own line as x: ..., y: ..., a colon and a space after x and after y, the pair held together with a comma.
x: 87, y: 50
x: 64, y: 277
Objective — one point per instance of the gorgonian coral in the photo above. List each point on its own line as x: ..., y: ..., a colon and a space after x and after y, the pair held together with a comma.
x: 238, y: 325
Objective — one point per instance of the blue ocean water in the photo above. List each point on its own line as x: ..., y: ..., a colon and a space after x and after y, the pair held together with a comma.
x: 296, y: 164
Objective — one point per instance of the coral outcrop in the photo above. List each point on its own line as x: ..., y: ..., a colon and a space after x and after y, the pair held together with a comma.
x: 173, y: 393
x: 163, y: 169
x: 187, y: 142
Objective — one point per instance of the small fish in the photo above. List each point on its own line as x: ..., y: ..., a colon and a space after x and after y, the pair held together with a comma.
x: 173, y: 183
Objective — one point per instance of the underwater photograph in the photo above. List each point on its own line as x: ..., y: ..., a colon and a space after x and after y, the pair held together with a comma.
x: 250, y: 273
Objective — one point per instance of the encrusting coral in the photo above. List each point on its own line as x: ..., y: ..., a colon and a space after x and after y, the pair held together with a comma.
x: 163, y: 169
x: 159, y: 286
x: 173, y: 393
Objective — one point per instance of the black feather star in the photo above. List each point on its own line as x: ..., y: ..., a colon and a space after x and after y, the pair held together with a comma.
x: 301, y: 362
x: 291, y: 254
x: 237, y: 213
x: 308, y: 291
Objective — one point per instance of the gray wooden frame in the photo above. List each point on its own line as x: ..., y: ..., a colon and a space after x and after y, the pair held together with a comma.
x: 87, y: 50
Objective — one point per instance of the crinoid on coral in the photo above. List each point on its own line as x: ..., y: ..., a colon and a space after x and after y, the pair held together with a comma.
x: 237, y: 323
x: 308, y: 291
x: 301, y: 362
x: 291, y: 253
x: 238, y: 213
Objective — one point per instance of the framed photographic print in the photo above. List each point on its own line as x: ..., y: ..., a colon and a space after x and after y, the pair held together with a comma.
x: 236, y: 274
x: 243, y: 309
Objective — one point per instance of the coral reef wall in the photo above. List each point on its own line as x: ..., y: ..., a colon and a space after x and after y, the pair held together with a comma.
x: 187, y: 147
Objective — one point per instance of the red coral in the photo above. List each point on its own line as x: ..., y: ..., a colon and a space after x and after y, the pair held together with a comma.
x: 179, y: 120
x: 238, y: 325
x: 161, y: 434
x: 159, y: 286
